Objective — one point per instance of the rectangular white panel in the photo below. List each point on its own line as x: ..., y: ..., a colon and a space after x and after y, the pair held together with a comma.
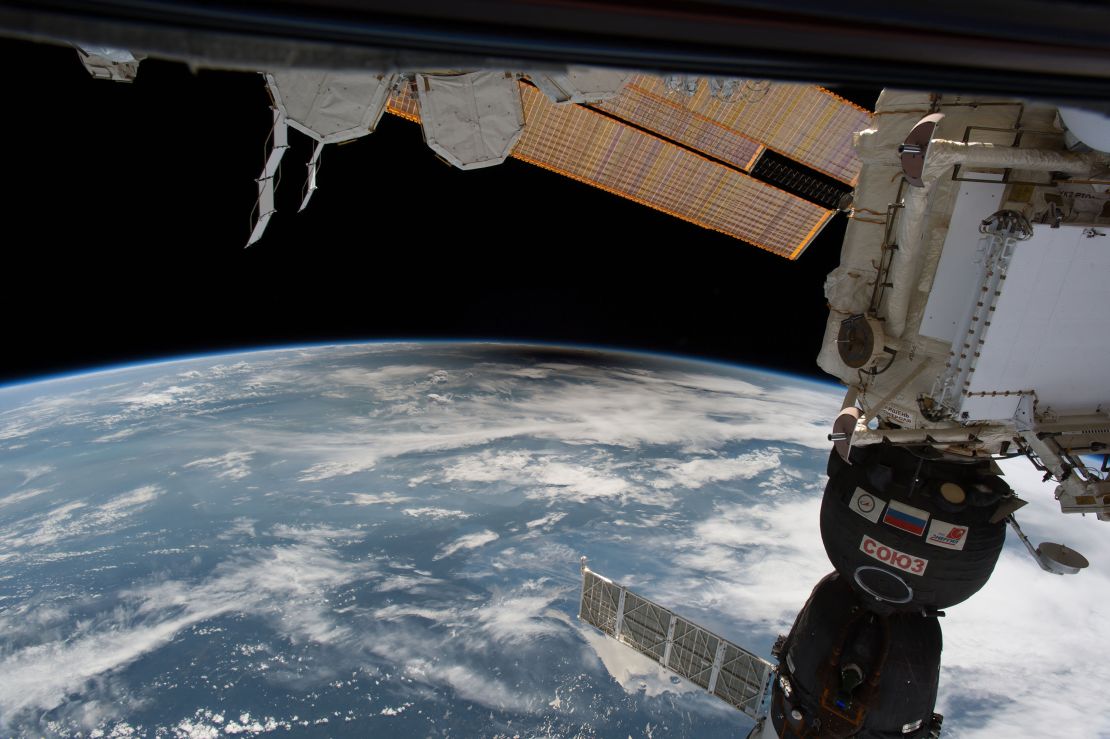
x: 1048, y: 331
x: 954, y: 282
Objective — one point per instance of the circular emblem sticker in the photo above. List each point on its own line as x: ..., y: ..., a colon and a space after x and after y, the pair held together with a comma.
x: 865, y: 503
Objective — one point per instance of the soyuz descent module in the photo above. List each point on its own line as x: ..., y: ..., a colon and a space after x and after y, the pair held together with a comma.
x: 966, y: 319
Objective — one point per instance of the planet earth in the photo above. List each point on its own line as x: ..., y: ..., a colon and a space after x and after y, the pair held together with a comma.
x: 384, y: 540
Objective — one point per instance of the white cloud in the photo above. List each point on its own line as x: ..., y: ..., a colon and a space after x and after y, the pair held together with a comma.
x: 116, y: 435
x: 547, y: 521
x: 319, y: 535
x: 126, y: 504
x: 407, y: 583
x: 288, y: 584
x: 441, y: 653
x: 74, y: 520
x: 21, y: 496
x: 548, y: 476
x: 696, y: 473
x: 386, y: 498
x: 397, y: 612
x: 468, y: 541
x: 240, y: 528
x: 577, y: 405
x: 1030, y: 642
x: 34, y: 472
x: 482, y: 688
x: 522, y: 615
x: 230, y: 466
x: 435, y: 514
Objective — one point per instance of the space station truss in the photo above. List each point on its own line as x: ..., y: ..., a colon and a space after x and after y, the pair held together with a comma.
x: 714, y: 664
x: 678, y: 160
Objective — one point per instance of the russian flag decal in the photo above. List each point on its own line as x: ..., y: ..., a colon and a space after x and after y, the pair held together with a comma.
x: 907, y: 518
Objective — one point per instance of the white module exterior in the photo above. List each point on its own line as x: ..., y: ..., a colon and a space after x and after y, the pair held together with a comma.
x: 330, y: 106
x: 472, y: 120
x: 1047, y: 333
x: 579, y: 85
x: 1049, y: 330
x: 954, y: 281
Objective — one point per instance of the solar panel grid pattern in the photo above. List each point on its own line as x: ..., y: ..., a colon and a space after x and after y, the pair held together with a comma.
x: 670, y: 118
x: 592, y: 148
x: 589, y: 147
x: 803, y: 122
x: 644, y: 627
x: 405, y: 104
x: 600, y: 599
x: 741, y: 679
x: 693, y: 652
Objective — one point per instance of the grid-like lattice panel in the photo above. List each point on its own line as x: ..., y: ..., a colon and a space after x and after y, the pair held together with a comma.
x: 668, y: 116
x: 803, y: 122
x: 600, y: 602
x: 729, y: 672
x: 404, y: 103
x: 595, y: 149
x: 693, y: 652
x: 644, y: 626
x: 590, y: 147
x: 742, y: 679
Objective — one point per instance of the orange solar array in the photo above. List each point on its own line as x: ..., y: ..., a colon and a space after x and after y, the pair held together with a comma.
x: 805, y: 123
x: 587, y: 146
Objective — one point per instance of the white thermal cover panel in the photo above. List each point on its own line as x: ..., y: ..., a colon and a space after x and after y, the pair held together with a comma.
x: 472, y: 120
x: 1048, y: 333
x: 581, y: 85
x: 331, y: 106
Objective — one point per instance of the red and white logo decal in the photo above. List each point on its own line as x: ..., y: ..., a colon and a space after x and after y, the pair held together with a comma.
x: 947, y: 535
x: 891, y: 556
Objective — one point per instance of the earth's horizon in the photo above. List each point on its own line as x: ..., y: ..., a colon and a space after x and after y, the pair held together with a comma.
x: 383, y: 539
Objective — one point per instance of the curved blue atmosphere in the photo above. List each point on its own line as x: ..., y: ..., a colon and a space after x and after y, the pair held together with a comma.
x: 91, y: 371
x: 372, y: 540
x: 387, y: 543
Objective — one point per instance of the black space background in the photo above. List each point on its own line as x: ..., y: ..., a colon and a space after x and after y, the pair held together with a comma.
x: 126, y: 208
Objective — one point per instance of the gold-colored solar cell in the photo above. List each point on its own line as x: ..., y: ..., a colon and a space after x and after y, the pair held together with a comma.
x: 805, y: 123
x: 678, y: 123
x: 593, y: 148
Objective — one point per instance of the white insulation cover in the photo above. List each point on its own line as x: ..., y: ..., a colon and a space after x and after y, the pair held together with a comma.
x: 109, y: 63
x: 580, y: 85
x: 331, y: 106
x: 1048, y: 332
x: 943, y: 154
x: 472, y: 120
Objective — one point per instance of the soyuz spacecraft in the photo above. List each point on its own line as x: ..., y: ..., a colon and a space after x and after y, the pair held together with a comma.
x: 966, y: 320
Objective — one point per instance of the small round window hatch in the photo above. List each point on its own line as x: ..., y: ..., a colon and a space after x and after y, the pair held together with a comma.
x: 883, y: 585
